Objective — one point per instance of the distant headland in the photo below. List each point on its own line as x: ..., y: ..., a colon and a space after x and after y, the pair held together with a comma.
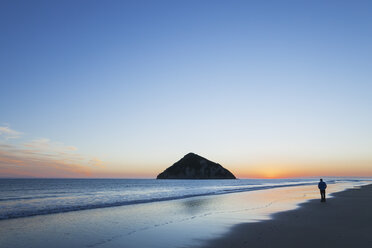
x: 193, y: 166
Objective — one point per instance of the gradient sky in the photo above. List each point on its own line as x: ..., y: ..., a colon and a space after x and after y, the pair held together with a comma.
x: 126, y: 88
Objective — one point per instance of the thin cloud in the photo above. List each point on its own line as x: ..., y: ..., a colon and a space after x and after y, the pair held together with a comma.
x: 43, y: 158
x: 97, y: 163
x: 9, y: 133
x: 39, y: 163
x: 49, y: 146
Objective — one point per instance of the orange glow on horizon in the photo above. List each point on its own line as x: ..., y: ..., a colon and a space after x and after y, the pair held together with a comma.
x: 296, y: 170
x: 32, y: 164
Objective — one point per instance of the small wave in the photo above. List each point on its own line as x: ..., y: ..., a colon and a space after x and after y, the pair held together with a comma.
x: 28, y: 198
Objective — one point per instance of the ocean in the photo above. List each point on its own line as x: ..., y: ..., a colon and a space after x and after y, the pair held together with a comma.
x: 30, y: 197
x: 143, y: 213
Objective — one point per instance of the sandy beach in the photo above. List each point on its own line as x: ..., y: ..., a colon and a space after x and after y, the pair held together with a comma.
x: 343, y: 221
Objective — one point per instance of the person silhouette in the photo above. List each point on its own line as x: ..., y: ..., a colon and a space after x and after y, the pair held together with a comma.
x: 322, y: 186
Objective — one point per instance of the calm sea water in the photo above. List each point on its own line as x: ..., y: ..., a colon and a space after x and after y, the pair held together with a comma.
x: 30, y: 197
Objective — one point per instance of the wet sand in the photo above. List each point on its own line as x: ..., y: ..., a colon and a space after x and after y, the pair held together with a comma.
x: 343, y: 221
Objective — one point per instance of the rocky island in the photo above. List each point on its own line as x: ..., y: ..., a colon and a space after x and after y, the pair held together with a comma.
x: 193, y: 166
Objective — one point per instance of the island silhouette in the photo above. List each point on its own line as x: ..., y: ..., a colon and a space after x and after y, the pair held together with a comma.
x: 193, y: 166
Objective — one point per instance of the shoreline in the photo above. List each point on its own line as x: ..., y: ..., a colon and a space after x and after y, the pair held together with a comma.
x: 65, y: 209
x: 189, y: 222
x: 343, y: 221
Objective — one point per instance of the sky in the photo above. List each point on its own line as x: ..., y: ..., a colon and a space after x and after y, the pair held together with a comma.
x: 124, y: 89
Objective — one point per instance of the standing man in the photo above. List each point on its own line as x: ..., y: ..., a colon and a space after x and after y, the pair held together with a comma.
x: 322, y: 186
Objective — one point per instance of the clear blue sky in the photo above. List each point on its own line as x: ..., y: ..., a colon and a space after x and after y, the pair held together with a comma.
x: 138, y: 84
